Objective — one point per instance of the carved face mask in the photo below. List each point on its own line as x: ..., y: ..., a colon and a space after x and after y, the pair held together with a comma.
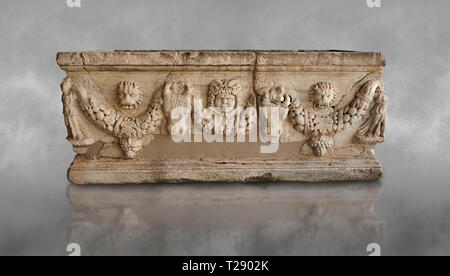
x: 322, y: 99
x: 129, y: 96
x: 322, y: 95
x: 224, y: 100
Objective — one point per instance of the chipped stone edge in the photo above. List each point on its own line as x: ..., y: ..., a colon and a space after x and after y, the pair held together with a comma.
x: 221, y: 58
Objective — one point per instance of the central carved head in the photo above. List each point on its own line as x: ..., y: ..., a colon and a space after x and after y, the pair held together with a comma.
x: 322, y: 95
x: 223, y: 94
x: 129, y: 95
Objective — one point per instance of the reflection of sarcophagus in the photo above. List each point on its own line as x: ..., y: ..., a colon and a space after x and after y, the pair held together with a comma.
x: 175, y: 116
x: 225, y: 220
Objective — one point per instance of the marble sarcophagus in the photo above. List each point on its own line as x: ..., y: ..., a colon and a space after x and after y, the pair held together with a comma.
x: 223, y: 116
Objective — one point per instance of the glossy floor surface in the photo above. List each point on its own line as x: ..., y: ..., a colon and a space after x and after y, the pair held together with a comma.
x: 406, y: 212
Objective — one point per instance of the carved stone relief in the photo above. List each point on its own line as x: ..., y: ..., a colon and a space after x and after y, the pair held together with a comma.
x: 130, y: 130
x: 373, y: 128
x: 176, y: 94
x: 277, y: 97
x: 129, y: 96
x: 224, y: 113
x: 78, y: 133
x: 331, y: 105
x: 320, y: 122
x: 324, y: 119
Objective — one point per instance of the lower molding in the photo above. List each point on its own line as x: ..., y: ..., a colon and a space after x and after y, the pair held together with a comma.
x: 117, y: 171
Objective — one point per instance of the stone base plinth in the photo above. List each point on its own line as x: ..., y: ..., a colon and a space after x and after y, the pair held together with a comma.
x: 108, y: 171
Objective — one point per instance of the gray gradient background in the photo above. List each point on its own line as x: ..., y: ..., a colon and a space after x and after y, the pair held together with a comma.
x: 413, y: 35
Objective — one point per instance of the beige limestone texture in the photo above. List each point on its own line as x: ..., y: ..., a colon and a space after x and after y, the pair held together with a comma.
x: 120, y: 109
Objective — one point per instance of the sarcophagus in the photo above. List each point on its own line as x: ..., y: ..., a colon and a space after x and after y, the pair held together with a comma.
x: 223, y: 116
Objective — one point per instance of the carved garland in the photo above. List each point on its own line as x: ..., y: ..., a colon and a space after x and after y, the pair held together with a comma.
x: 323, y: 120
x: 128, y: 129
x: 320, y: 122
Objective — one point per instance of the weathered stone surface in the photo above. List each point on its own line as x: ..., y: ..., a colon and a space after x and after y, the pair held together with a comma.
x: 176, y: 116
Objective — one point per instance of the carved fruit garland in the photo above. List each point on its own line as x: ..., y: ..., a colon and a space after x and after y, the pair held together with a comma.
x: 128, y: 129
x: 323, y: 121
x: 320, y: 122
